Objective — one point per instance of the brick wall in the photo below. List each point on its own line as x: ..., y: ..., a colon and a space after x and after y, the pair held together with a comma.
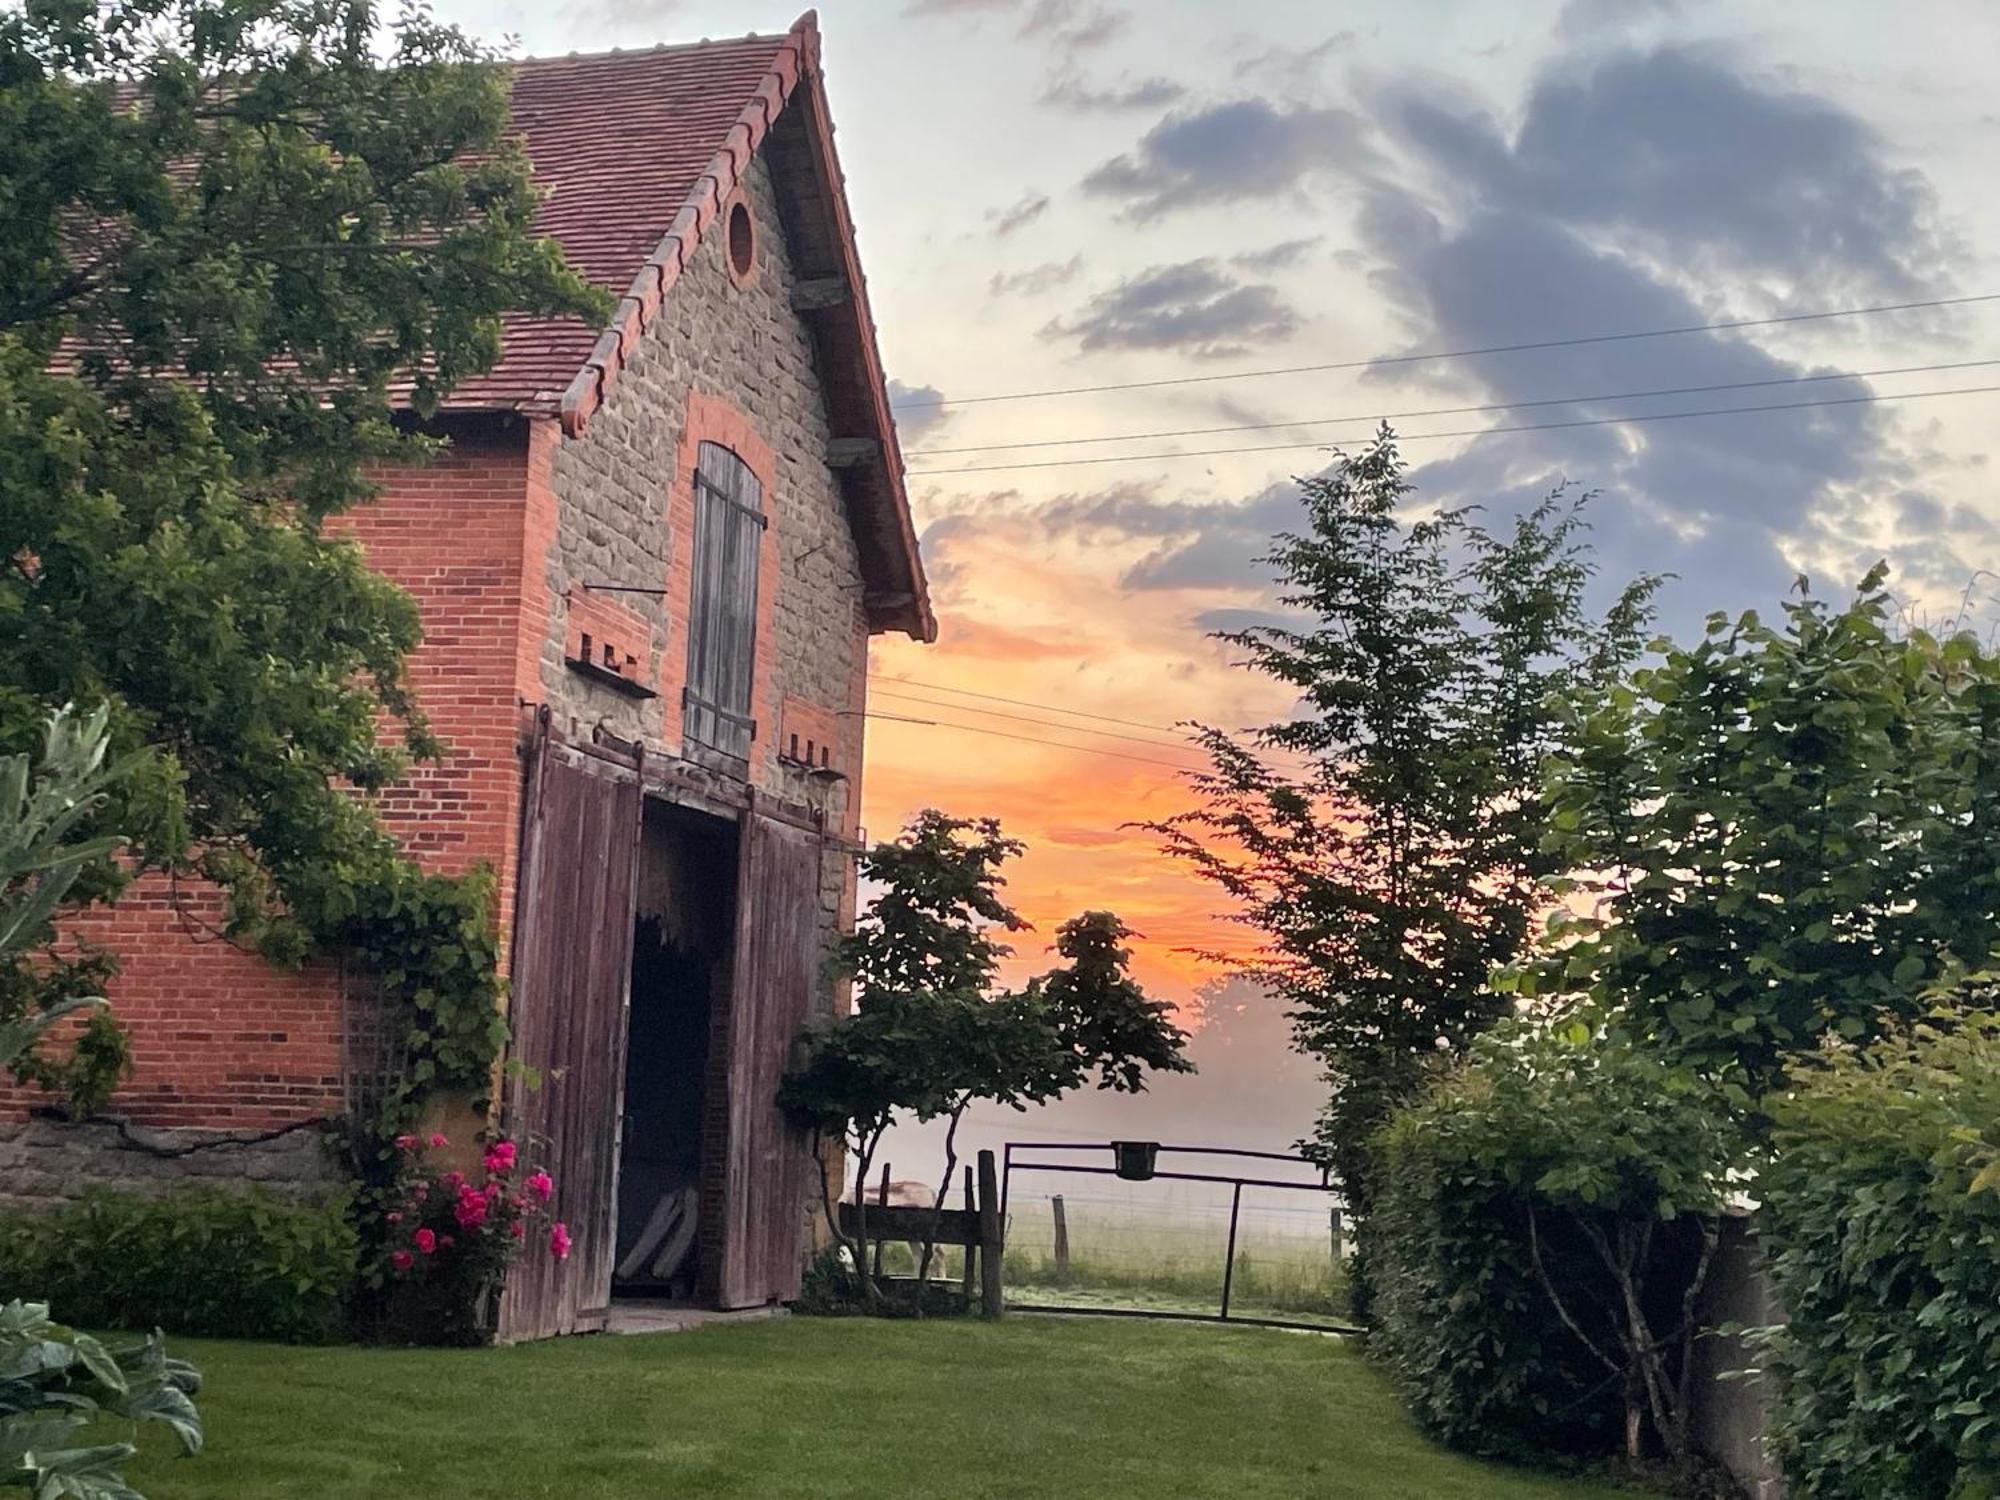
x: 219, y: 1037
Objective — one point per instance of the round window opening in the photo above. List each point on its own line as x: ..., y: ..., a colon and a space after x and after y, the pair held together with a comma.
x: 742, y: 241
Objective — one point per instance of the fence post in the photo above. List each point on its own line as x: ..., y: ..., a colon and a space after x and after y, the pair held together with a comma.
x: 991, y: 1238
x: 1229, y: 1263
x: 965, y: 1271
x: 1333, y: 1222
x: 882, y: 1201
x: 1062, y: 1241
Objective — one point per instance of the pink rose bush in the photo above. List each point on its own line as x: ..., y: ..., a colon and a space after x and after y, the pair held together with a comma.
x: 448, y: 1237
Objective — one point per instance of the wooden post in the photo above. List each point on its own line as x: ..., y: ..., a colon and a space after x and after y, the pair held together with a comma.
x: 1062, y: 1241
x: 1333, y: 1217
x: 991, y: 1238
x: 965, y: 1270
x: 881, y: 1201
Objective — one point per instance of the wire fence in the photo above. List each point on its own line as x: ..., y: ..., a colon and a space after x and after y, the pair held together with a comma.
x: 1215, y: 1248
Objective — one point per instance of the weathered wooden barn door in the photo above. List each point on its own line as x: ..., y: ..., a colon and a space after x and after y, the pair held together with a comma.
x: 571, y: 985
x: 778, y: 963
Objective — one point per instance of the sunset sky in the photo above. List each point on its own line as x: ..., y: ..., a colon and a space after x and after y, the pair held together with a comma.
x: 1064, y: 193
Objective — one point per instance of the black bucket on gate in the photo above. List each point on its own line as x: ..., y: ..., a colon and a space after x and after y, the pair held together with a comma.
x: 1135, y: 1160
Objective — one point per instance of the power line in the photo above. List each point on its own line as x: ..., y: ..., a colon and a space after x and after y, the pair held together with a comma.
x: 1296, y: 765
x: 938, y: 687
x: 1384, y: 360
x: 1029, y: 739
x: 1456, y: 411
x: 1029, y: 719
x: 1419, y: 437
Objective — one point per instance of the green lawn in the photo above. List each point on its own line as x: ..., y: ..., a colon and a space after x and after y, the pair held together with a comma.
x: 826, y: 1409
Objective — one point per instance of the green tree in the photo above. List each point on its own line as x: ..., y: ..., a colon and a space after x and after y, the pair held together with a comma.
x: 931, y: 1033
x: 1389, y: 878
x: 238, y: 232
x: 1783, y: 832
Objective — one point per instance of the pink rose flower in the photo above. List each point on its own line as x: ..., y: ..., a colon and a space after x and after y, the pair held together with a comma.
x: 402, y: 1260
x: 406, y: 1143
x: 541, y: 1185
x: 393, y: 1217
x: 453, y: 1179
x: 427, y: 1240
x: 500, y: 1158
x: 420, y: 1192
x: 446, y: 1241
x: 559, y: 1241
x: 518, y: 1229
x: 438, y: 1138
x: 470, y: 1211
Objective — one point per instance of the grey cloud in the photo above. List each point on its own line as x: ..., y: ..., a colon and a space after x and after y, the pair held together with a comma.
x: 1194, y: 306
x: 1019, y: 214
x: 918, y: 421
x: 1582, y: 18
x: 1074, y: 25
x: 1683, y: 159
x: 1278, y: 257
x: 1069, y: 26
x: 1070, y: 90
x: 1198, y: 543
x: 1224, y: 153
x: 1288, y: 70
x: 1036, y: 279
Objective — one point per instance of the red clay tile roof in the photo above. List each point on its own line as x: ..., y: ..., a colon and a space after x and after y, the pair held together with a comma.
x: 619, y: 142
x: 638, y: 151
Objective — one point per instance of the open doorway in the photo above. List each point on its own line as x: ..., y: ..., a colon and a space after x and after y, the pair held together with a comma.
x: 669, y: 1146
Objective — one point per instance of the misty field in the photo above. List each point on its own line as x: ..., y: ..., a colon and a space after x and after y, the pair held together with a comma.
x: 1169, y: 1255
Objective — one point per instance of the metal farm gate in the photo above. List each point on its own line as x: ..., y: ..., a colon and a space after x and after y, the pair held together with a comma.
x: 1220, y: 1236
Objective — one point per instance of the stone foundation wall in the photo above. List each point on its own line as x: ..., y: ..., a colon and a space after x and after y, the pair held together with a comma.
x: 44, y: 1163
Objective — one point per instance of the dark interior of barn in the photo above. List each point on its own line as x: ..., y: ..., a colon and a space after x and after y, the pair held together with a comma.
x: 684, y: 926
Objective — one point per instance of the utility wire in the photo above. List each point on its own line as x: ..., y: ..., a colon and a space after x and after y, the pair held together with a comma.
x: 1029, y: 739
x: 1459, y: 411
x: 1380, y: 361
x: 1295, y: 764
x: 1418, y: 437
x: 938, y: 687
x: 1030, y: 719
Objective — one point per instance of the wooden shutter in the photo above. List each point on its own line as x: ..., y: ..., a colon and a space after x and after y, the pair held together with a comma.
x: 571, y: 986
x: 722, y: 614
x: 765, y: 1161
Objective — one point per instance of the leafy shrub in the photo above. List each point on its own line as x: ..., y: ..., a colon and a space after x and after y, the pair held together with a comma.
x: 55, y: 1381
x: 1536, y: 1192
x: 198, y: 1261
x: 1882, y: 1218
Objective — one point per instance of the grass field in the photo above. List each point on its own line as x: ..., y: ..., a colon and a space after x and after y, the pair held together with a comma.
x: 813, y: 1409
x: 1173, y: 1261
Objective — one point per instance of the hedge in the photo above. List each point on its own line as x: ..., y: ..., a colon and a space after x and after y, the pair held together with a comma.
x: 197, y: 1261
x: 1887, y: 1261
x: 1609, y: 1161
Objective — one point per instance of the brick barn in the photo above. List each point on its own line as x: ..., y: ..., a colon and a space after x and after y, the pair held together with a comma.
x: 649, y: 568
